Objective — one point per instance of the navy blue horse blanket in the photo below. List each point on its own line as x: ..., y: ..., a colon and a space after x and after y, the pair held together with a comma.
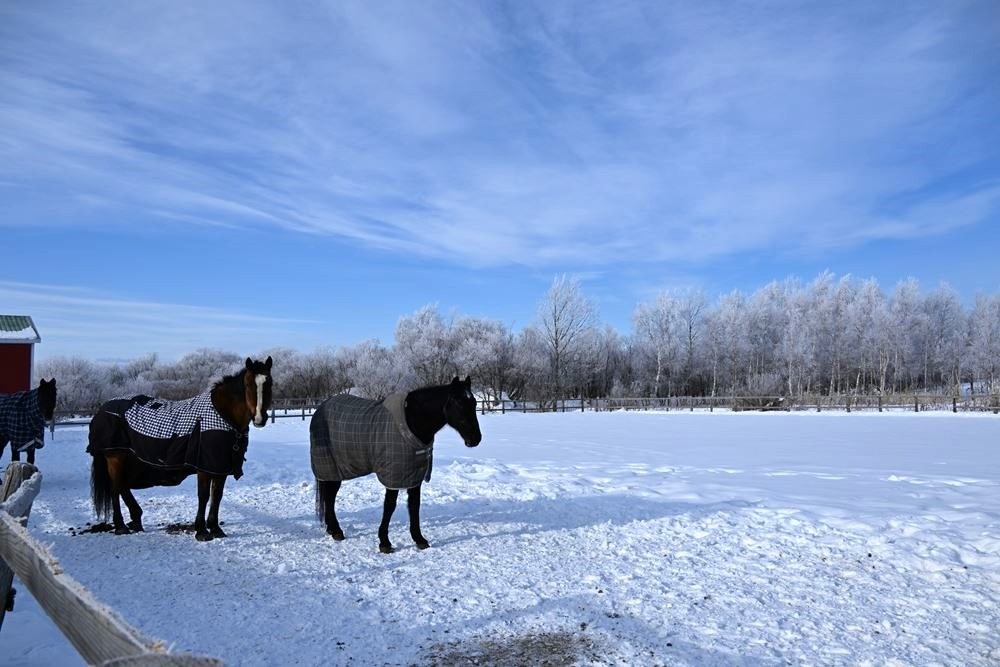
x: 170, y: 434
x: 351, y: 436
x: 21, y: 421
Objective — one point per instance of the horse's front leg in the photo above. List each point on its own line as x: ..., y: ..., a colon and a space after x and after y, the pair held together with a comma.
x: 204, y: 488
x: 218, y: 484
x: 413, y: 507
x: 388, y: 507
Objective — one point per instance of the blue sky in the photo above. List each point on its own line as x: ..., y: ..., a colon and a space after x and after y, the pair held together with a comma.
x: 175, y: 175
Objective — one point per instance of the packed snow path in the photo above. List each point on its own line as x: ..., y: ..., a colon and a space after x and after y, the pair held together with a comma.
x: 622, y: 538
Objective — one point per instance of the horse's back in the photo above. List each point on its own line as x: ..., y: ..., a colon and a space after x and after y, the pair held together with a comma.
x: 107, y: 426
x: 353, y: 437
x: 339, y: 434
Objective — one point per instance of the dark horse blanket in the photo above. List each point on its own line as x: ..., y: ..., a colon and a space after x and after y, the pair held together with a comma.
x: 170, y: 434
x: 350, y: 437
x: 21, y: 420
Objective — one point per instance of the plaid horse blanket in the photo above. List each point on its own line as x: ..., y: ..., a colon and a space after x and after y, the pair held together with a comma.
x: 171, y: 434
x: 21, y: 421
x: 350, y: 437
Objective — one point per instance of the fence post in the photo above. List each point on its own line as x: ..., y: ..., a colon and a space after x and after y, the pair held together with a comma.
x: 847, y: 400
x: 954, y: 404
x: 13, y: 477
x: 916, y: 403
x: 880, y: 402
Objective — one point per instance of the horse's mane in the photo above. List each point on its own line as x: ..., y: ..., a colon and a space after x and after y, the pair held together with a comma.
x: 231, y: 383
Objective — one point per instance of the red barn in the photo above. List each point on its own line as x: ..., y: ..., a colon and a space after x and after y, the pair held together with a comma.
x: 18, y: 336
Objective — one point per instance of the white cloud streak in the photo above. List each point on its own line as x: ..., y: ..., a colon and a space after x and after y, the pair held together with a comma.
x: 542, y: 135
x: 88, y: 323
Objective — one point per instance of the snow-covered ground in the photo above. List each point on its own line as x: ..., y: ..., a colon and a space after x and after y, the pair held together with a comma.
x: 621, y: 538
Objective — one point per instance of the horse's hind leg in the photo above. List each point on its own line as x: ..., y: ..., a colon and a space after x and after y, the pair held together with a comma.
x: 413, y: 507
x: 326, y: 507
x: 116, y: 470
x: 204, y: 488
x: 134, y: 511
x: 388, y: 507
x: 218, y: 483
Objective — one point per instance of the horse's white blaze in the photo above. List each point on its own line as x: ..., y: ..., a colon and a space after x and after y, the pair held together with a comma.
x: 258, y: 418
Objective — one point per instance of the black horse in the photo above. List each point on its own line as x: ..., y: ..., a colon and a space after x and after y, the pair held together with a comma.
x: 141, y: 442
x: 350, y: 437
x: 23, y: 415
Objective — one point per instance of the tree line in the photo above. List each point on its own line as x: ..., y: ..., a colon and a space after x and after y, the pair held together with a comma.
x: 829, y: 336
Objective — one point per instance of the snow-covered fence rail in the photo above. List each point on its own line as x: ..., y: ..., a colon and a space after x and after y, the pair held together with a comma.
x: 94, y: 630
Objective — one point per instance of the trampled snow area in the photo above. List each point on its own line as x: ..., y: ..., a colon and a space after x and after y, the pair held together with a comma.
x: 587, y: 538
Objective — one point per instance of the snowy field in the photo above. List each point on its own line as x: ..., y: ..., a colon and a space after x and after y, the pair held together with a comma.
x: 608, y: 538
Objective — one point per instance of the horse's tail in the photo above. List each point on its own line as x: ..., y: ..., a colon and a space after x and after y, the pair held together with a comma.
x: 100, y: 478
x: 100, y: 486
x: 320, y: 500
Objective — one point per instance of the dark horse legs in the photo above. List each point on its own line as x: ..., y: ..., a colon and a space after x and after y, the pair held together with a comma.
x: 120, y: 491
x: 328, y: 499
x: 209, y: 487
x: 412, y: 507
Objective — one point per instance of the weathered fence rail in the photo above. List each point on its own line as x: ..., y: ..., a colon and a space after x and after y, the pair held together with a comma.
x: 95, y: 631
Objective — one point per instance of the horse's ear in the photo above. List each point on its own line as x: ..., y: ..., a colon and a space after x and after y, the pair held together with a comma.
x: 249, y: 364
x: 455, y: 380
x: 468, y: 381
x: 267, y: 363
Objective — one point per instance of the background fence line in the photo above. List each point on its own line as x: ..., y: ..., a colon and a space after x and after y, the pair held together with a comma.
x: 303, y: 408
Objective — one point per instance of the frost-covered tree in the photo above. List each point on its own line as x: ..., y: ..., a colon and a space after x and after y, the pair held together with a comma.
x: 82, y: 384
x: 564, y: 315
x: 488, y: 352
x: 946, y: 338
x: 429, y: 345
x: 657, y: 326
x: 377, y: 371
x: 194, y: 373
x: 984, y: 341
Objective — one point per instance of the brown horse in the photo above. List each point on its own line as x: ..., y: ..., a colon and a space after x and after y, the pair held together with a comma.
x: 141, y: 442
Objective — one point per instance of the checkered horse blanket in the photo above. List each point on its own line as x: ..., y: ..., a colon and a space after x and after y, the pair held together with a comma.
x: 171, y: 434
x: 21, y: 421
x: 350, y: 437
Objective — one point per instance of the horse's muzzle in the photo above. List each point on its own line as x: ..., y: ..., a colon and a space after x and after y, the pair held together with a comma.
x: 474, y: 441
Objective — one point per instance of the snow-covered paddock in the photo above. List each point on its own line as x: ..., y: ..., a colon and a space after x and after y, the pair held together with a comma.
x: 593, y: 538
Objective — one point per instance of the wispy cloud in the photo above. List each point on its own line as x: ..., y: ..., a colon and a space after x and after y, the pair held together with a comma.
x: 545, y: 135
x: 91, y: 324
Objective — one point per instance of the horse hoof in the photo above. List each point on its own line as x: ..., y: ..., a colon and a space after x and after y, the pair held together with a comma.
x: 135, y: 527
x: 217, y: 533
x: 203, y: 537
x: 336, y: 534
x: 423, y: 545
x: 122, y: 530
x: 386, y: 548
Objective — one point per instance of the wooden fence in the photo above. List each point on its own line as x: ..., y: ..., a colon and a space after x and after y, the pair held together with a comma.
x: 303, y: 408
x: 95, y: 631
